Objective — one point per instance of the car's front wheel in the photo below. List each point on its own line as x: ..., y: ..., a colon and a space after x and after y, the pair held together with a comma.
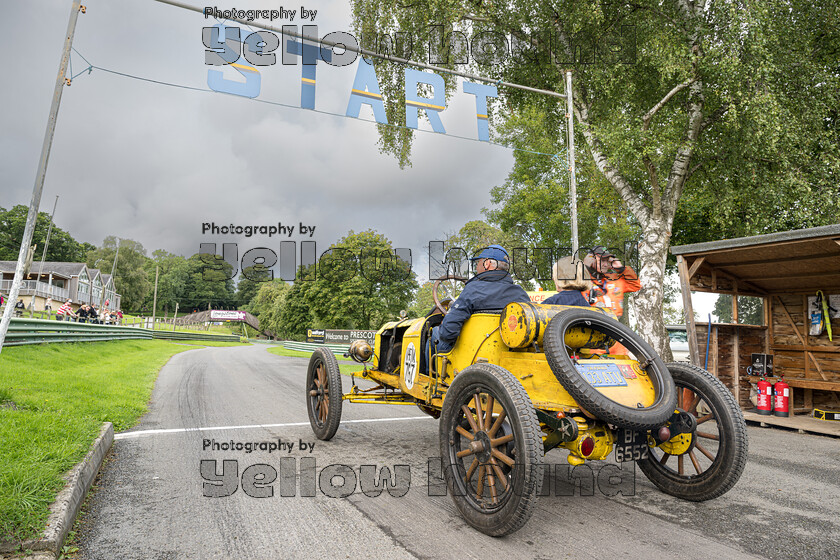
x: 323, y: 393
x: 491, y: 448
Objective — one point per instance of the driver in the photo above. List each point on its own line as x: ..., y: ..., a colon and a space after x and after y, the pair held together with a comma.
x: 491, y: 288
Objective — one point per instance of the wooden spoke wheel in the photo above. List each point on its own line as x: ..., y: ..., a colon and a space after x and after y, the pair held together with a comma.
x: 711, y: 462
x: 323, y: 393
x: 491, y: 448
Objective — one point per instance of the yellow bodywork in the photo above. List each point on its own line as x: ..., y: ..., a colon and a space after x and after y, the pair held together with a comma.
x: 512, y: 340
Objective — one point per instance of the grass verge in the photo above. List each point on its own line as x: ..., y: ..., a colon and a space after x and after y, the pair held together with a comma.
x: 213, y: 343
x: 54, y: 399
x: 346, y: 366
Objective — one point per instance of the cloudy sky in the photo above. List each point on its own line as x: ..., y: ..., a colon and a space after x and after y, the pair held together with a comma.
x: 152, y: 163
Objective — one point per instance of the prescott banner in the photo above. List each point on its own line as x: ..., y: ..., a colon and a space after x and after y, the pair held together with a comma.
x: 327, y: 336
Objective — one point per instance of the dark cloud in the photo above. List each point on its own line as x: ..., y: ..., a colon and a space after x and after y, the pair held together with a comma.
x: 151, y: 163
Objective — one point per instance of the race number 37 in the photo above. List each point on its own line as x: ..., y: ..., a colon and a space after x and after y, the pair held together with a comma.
x: 410, y: 365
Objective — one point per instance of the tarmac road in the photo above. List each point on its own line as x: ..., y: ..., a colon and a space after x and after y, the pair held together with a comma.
x: 150, y: 501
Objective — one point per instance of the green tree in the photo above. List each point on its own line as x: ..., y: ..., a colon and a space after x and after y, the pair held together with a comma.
x: 423, y: 300
x: 249, y: 283
x: 208, y: 286
x: 360, y: 283
x: 268, y: 304
x: 296, y: 314
x: 131, y: 278
x: 172, y: 277
x: 475, y: 235
x: 724, y: 102
x: 750, y: 310
x: 63, y: 248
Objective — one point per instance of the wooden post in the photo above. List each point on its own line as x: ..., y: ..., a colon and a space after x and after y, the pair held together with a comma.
x: 768, y: 307
x: 736, y: 375
x: 735, y: 302
x: 691, y: 328
x: 715, y: 350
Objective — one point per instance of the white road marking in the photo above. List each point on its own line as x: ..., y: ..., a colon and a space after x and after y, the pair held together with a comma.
x: 143, y: 433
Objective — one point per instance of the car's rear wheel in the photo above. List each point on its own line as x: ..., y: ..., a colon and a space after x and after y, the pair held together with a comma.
x: 491, y: 448
x: 715, y: 457
x: 323, y: 393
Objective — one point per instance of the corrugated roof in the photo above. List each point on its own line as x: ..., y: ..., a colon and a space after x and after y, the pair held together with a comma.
x: 798, y: 261
x: 782, y: 236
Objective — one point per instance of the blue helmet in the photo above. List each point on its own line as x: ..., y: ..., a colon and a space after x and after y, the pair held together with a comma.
x: 495, y: 252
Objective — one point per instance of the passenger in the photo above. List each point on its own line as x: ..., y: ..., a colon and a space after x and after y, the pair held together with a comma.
x: 568, y: 279
x: 609, y: 287
x: 491, y: 288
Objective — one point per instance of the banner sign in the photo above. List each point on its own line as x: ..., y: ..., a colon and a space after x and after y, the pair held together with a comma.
x: 328, y: 336
x: 539, y: 297
x: 340, y: 337
x: 315, y: 335
x: 224, y: 315
x: 244, y: 53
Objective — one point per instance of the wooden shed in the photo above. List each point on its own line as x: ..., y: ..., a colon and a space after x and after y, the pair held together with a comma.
x: 776, y: 277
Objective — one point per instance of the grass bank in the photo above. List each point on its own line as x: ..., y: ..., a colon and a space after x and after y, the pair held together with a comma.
x: 53, y: 400
x: 346, y: 366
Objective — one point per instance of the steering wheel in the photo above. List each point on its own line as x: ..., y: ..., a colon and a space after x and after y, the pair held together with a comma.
x: 438, y: 305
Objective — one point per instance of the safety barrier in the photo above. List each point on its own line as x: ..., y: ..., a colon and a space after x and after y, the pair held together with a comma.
x: 38, y: 331
x: 181, y: 335
x: 339, y: 349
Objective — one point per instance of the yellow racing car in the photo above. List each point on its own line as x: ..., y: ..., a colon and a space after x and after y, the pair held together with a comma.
x: 530, y: 378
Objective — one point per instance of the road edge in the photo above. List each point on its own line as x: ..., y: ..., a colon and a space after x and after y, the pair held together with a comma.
x: 66, y: 506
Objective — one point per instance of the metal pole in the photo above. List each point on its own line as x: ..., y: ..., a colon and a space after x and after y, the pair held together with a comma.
x: 47, y: 243
x: 154, y: 301
x: 41, y: 268
x: 113, y: 268
x: 570, y: 117
x: 369, y: 53
x: 35, y: 203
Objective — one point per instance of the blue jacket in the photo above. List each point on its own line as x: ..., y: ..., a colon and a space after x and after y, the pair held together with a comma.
x: 566, y: 297
x: 493, y: 289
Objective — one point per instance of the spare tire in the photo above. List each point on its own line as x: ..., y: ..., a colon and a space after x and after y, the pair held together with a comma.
x: 639, y: 419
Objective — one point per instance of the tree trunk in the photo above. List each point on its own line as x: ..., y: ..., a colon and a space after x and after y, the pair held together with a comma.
x: 653, y: 252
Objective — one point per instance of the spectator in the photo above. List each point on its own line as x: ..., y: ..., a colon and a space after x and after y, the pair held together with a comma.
x: 93, y: 315
x: 48, y: 307
x: 65, y: 311
x: 19, y: 307
x: 568, y: 279
x: 82, y: 313
x: 609, y: 287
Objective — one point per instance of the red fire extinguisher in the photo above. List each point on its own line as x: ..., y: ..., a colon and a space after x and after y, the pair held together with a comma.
x: 764, y: 406
x: 781, y: 398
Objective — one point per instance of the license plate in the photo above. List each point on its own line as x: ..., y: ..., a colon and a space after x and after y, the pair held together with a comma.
x: 630, y: 446
x: 601, y: 374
